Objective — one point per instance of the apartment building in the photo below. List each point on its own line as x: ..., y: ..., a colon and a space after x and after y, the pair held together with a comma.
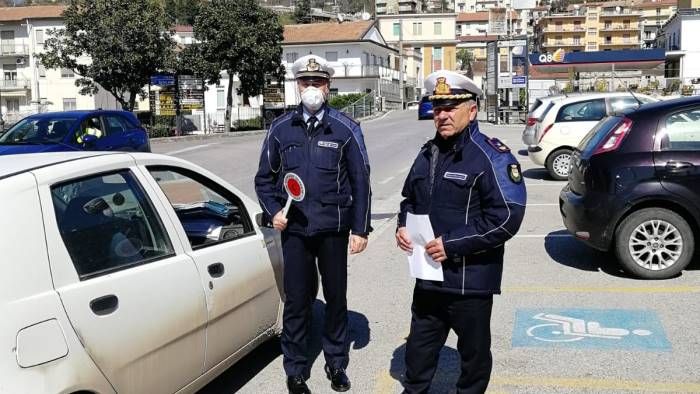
x: 439, y: 6
x: 390, y: 7
x: 362, y: 59
x: 27, y: 87
x: 654, y: 14
x: 685, y: 4
x: 431, y: 35
x: 592, y: 27
x: 678, y: 37
x: 479, y: 5
x: 472, y: 31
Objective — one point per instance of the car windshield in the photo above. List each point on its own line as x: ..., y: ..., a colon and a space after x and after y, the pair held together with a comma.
x: 38, y: 131
x: 596, y: 135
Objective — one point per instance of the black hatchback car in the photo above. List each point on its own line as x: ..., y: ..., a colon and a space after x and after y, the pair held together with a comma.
x: 634, y: 187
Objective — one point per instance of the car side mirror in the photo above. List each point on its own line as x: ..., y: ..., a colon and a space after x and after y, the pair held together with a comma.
x: 89, y: 140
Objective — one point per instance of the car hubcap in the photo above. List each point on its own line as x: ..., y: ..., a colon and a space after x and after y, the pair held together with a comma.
x: 655, y: 245
x: 561, y: 164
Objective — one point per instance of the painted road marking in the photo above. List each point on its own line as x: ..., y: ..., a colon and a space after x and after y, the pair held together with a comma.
x: 589, y: 328
x: 623, y: 290
x: 543, y: 235
x: 590, y: 384
x: 175, y: 152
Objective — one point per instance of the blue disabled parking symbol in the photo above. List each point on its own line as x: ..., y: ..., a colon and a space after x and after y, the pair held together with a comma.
x: 590, y: 328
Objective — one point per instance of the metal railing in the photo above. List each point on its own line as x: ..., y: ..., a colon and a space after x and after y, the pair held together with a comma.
x: 363, y: 107
x: 7, y: 84
x: 13, y: 49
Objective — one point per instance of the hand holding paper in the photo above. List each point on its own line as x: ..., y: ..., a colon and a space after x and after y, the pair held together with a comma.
x: 420, y: 232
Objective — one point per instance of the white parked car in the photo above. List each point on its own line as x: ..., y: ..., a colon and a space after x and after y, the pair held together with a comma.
x: 565, y: 123
x: 128, y: 273
x: 535, y: 114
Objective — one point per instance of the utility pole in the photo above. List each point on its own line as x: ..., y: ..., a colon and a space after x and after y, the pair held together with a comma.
x: 401, y: 74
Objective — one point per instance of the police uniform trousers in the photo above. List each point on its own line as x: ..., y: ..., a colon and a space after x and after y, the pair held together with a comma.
x: 433, y: 315
x: 301, y: 254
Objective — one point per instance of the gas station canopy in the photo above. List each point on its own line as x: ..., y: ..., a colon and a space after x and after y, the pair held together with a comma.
x: 650, y: 61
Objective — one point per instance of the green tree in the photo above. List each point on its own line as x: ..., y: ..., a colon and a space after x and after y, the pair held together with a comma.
x: 182, y: 12
x: 126, y: 41
x: 302, y: 11
x: 242, y: 38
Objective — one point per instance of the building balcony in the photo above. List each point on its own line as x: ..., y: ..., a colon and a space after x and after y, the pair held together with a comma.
x: 563, y: 30
x: 562, y: 43
x: 626, y: 43
x: 14, y: 50
x: 15, y: 84
x: 620, y: 28
x: 565, y: 16
x: 621, y: 13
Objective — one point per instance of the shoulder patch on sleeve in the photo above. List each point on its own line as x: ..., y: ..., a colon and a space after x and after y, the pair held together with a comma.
x: 514, y: 173
x: 496, y: 144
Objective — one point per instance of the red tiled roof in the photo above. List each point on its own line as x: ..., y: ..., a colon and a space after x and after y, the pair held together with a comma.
x: 477, y: 38
x: 184, y: 28
x: 14, y: 14
x: 480, y: 16
x: 657, y: 3
x: 326, y: 32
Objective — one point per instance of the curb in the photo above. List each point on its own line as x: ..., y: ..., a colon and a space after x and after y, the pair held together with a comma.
x: 232, y: 134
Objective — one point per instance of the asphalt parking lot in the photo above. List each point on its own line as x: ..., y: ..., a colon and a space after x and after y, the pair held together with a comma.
x: 569, y: 319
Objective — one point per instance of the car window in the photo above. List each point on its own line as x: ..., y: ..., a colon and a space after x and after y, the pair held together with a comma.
x: 108, y: 224
x: 91, y: 125
x: 535, y: 105
x: 114, y: 124
x: 620, y: 103
x: 42, y: 130
x: 682, y: 131
x: 582, y: 111
x: 209, y: 213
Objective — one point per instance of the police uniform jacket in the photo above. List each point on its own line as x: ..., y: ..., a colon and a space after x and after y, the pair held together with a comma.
x: 475, y: 200
x: 331, y: 161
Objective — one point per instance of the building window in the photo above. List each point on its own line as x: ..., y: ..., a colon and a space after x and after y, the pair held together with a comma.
x: 577, y: 40
x: 292, y: 57
x: 608, y: 39
x: 40, y: 37
x: 12, y: 105
x: 397, y: 29
x: 608, y: 24
x: 437, y: 28
x: 220, y: 98
x: 69, y: 104
x: 332, y: 56
x: 417, y: 28
x: 437, y: 59
x: 592, y: 32
x: 67, y: 73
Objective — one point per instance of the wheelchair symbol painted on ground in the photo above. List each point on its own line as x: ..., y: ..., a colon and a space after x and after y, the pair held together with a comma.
x: 568, y: 329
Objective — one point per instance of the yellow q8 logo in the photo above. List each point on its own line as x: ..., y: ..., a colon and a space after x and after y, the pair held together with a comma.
x: 557, y: 56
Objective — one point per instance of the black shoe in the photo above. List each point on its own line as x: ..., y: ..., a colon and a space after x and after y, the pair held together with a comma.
x: 339, y: 380
x: 297, y: 385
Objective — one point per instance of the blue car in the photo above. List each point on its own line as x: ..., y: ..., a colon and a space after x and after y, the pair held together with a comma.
x: 425, y: 109
x: 98, y: 130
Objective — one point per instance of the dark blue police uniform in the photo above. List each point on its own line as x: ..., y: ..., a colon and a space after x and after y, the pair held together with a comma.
x: 474, y: 194
x: 332, y: 161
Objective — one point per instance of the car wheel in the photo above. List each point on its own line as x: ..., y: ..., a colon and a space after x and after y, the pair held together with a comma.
x: 654, y: 243
x: 558, y: 164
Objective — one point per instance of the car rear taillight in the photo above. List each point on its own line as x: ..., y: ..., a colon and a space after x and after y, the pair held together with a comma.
x: 531, y: 121
x: 614, y: 138
x: 546, y: 129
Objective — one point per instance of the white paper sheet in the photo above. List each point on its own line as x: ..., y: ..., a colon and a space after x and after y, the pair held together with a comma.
x: 420, y: 264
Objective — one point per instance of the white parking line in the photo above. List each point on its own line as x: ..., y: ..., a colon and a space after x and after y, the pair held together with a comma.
x: 176, y: 152
x: 543, y: 235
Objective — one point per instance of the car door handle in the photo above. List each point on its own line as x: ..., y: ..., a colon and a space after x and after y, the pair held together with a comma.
x: 675, y: 166
x: 104, y: 305
x: 216, y: 270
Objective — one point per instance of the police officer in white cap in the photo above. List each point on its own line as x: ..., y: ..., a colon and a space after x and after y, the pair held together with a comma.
x: 326, y: 149
x: 471, y: 187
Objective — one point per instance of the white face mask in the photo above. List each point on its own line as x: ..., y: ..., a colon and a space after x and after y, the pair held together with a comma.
x: 313, y: 98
